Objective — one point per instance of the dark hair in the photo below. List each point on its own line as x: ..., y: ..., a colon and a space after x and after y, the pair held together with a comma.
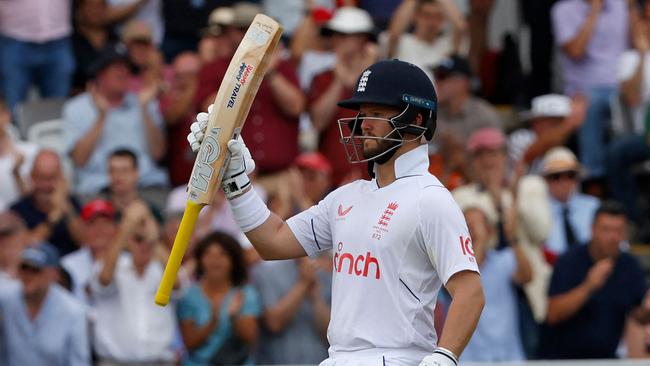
x: 609, y: 207
x: 125, y: 153
x: 238, y: 272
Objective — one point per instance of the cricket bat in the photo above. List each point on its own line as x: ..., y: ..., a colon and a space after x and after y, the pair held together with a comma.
x: 231, y: 105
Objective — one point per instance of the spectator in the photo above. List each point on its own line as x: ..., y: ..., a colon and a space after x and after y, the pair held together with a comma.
x: 274, y: 113
x: 637, y: 339
x: 177, y: 106
x: 92, y: 36
x: 35, y: 48
x: 488, y: 160
x: 351, y: 31
x: 106, y: 118
x: 311, y: 46
x: 296, y: 295
x: 148, y: 11
x: 591, y: 36
x: 218, y: 315
x: 214, y: 43
x: 310, y: 181
x: 460, y: 113
x: 147, y: 63
x: 593, y: 289
x: 551, y: 121
x: 430, y: 42
x: 99, y: 231
x: 16, y: 159
x: 181, y: 35
x: 627, y: 151
x: 50, y: 212
x: 129, y: 327
x: 497, y: 336
x: 124, y: 173
x: 572, y: 211
x: 13, y: 239
x: 43, y: 324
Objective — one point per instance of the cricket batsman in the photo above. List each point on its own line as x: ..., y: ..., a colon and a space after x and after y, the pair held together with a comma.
x: 395, y: 240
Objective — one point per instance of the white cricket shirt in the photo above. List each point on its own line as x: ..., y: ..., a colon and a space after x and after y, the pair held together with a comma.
x: 393, y: 248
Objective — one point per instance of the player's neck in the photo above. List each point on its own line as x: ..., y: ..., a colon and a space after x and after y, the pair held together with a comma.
x: 385, y: 173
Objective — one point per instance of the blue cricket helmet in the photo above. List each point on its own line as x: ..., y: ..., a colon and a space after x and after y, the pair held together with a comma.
x: 401, y: 85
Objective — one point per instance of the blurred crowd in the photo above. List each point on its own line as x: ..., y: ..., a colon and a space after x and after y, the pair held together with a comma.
x: 544, y: 141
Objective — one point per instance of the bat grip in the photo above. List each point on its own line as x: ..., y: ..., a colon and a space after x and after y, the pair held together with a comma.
x: 181, y: 241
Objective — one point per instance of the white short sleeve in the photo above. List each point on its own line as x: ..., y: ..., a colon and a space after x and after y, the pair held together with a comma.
x: 445, y: 234
x: 312, y: 227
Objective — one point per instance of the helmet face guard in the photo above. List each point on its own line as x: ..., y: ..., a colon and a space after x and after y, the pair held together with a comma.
x: 352, y: 137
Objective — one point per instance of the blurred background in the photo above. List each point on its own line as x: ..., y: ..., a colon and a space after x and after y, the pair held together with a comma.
x: 543, y: 137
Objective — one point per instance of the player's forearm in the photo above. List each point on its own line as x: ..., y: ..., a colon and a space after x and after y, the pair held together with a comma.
x: 271, y: 240
x: 564, y: 306
x: 86, y: 145
x: 282, y: 312
x: 464, y: 312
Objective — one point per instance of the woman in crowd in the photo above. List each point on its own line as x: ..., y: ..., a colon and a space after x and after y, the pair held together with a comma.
x: 218, y: 315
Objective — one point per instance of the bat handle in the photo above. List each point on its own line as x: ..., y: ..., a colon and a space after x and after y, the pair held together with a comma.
x: 181, y: 241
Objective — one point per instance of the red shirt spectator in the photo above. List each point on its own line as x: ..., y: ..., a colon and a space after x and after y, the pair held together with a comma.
x: 271, y: 133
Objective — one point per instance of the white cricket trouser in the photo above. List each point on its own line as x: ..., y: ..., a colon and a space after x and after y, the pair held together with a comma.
x: 376, y: 357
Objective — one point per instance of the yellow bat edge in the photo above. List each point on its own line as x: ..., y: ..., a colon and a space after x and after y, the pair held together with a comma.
x: 181, y: 241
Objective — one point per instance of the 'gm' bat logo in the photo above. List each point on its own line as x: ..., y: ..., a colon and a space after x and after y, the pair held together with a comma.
x: 208, y: 154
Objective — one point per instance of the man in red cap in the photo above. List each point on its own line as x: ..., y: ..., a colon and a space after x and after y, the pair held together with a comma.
x: 99, y: 230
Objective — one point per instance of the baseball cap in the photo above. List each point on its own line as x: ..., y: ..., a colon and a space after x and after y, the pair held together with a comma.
x: 219, y: 18
x: 314, y: 161
x: 244, y: 13
x: 452, y: 65
x: 41, y: 255
x: 350, y: 20
x: 137, y: 30
x: 559, y: 160
x: 549, y: 105
x: 486, y: 138
x: 96, y: 208
x: 321, y: 15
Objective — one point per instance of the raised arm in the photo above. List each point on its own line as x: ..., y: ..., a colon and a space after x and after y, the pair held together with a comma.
x: 576, y: 47
x: 399, y: 23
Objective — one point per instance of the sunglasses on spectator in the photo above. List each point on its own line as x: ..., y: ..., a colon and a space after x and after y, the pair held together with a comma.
x: 6, y: 232
x: 24, y: 267
x: 562, y: 175
x: 141, y: 239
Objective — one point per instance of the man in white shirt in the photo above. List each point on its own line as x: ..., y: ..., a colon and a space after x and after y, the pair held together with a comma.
x: 129, y: 327
x: 396, y: 239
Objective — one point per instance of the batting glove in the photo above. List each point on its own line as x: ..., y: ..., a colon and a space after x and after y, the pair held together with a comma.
x: 440, y: 357
x: 235, y: 178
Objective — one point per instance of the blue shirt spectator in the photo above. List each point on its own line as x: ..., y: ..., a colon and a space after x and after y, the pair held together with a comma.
x: 56, y: 333
x: 497, y: 336
x: 594, y: 289
x: 581, y: 209
x: 196, y: 307
x: 108, y: 118
x: 572, y: 211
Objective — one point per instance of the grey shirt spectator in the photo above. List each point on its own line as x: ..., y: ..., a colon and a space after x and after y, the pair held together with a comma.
x: 299, y: 342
